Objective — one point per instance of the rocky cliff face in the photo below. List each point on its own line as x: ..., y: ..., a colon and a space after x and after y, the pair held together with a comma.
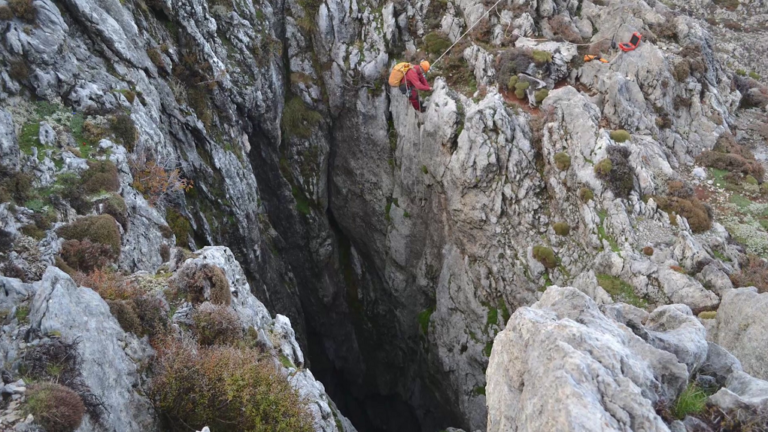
x: 398, y: 244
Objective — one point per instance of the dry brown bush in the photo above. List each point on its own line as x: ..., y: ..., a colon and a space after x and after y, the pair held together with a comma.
x: 55, y: 407
x: 754, y: 272
x: 225, y: 388
x: 216, y: 325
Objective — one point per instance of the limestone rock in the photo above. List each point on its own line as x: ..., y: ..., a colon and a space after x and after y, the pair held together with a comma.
x: 741, y: 322
x: 557, y: 360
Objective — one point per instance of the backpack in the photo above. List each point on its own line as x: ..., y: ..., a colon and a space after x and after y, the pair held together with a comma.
x: 398, y: 73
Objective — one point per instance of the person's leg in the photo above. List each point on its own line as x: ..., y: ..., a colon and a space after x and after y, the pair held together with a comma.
x: 414, y: 98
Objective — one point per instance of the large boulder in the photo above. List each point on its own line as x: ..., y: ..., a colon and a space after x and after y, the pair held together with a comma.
x: 741, y: 324
x: 561, y: 364
x: 80, y: 315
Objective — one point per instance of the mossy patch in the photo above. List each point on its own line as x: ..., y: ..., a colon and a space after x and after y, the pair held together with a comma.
x: 620, y: 135
x: 424, y: 317
x: 98, y: 229
x: 545, y: 255
x: 620, y: 291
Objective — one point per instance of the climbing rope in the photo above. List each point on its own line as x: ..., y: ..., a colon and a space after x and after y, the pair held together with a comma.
x: 466, y: 32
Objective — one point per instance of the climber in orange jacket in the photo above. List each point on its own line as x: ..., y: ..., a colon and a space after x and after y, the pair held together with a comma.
x: 415, y: 81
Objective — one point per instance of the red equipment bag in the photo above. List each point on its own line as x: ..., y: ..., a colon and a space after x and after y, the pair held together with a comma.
x: 634, y: 41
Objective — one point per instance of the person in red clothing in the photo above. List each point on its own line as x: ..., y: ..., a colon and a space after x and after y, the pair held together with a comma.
x: 414, y: 81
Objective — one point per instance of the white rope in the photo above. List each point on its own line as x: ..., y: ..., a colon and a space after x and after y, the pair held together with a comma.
x: 465, y: 33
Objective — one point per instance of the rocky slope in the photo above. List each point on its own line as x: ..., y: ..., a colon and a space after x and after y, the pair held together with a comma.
x: 397, y: 244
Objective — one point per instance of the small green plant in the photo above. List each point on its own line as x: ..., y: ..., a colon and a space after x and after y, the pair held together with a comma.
x: 179, y: 225
x: 436, y: 43
x: 55, y: 407
x: 545, y: 255
x: 691, y: 401
x: 620, y: 291
x: 603, y: 168
x: 741, y: 72
x: 562, y: 229
x: 424, y: 317
x: 125, y: 131
x: 586, y: 194
x: 98, y: 229
x: 750, y: 179
x: 540, y: 95
x: 512, y: 82
x: 754, y: 75
x: 520, y: 89
x: 298, y: 120
x: 22, y: 314
x: 424, y: 169
x: 562, y: 161
x: 620, y: 135
x: 541, y: 57
x: 708, y: 315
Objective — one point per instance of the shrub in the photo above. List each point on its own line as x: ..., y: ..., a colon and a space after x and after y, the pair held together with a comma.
x: 562, y: 161
x: 59, y: 361
x: 698, y: 216
x: 679, y: 189
x: 98, y: 229
x: 84, y: 255
x: 648, y: 251
x: 216, y: 325
x: 156, y: 181
x: 586, y: 194
x: 156, y: 58
x: 18, y: 186
x: 153, y: 314
x: 510, y: 63
x: 205, y: 283
x: 298, y: 120
x: 545, y: 256
x: 125, y: 131
x: 620, y: 135
x: 733, y: 163
x: 436, y: 43
x: 603, y: 168
x: 56, y: 408
x: 540, y: 95
x: 691, y: 401
x: 108, y: 284
x: 520, y: 88
x: 616, y: 171
x: 114, y: 205
x: 682, y: 70
x: 19, y: 70
x: 512, y: 82
x: 224, y: 388
x: 562, y: 229
x: 541, y: 57
x: 754, y: 272
x: 165, y: 252
x: 24, y: 10
x: 125, y: 313
x: 6, y: 14
x: 101, y: 176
